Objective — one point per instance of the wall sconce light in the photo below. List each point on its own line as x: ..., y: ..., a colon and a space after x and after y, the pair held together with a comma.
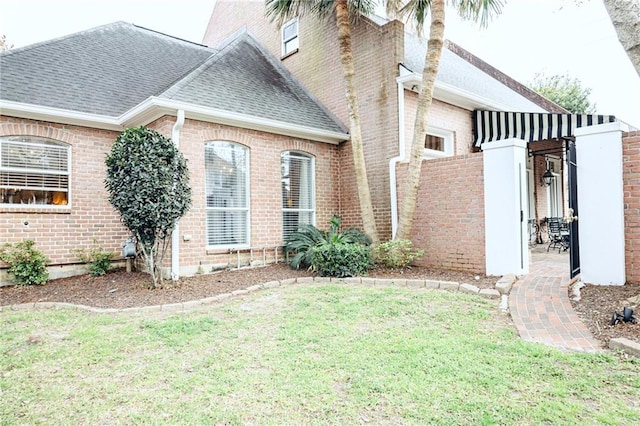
x: 547, y: 177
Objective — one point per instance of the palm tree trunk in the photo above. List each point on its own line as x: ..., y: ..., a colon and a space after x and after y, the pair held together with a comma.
x: 625, y: 16
x: 425, y: 98
x: 346, y: 58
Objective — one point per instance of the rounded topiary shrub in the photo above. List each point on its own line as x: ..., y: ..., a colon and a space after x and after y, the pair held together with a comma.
x: 341, y: 260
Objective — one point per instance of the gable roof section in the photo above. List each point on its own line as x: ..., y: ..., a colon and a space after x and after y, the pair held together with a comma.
x: 244, y: 78
x: 105, y: 70
x: 121, y: 75
x: 466, y: 73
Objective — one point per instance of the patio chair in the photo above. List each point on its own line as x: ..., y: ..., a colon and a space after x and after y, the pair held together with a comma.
x: 558, y: 232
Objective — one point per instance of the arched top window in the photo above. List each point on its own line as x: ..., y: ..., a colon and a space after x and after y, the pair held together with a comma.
x: 227, y: 194
x: 298, y: 191
x: 34, y: 171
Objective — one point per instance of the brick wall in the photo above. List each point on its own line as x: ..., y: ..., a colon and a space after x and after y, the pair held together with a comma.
x: 631, y: 178
x: 377, y: 53
x: 58, y: 232
x: 90, y: 216
x: 449, y: 219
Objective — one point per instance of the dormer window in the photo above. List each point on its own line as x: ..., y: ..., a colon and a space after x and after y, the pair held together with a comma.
x: 290, y: 37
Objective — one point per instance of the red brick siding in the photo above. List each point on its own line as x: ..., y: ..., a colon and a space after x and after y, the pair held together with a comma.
x: 442, y: 115
x: 91, y: 216
x: 377, y: 53
x: 449, y: 218
x: 631, y: 178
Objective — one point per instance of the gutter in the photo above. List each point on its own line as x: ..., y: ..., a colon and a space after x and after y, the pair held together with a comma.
x: 175, y: 234
x: 154, y: 107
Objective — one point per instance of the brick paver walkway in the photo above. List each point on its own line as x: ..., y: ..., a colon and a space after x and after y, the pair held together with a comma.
x: 540, y: 306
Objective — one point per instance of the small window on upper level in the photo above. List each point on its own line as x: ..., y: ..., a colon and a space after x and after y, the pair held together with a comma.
x: 34, y: 171
x: 438, y: 143
x: 290, y: 37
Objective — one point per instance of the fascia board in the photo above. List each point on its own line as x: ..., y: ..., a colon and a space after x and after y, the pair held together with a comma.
x: 458, y: 97
x: 58, y: 115
x: 155, y: 107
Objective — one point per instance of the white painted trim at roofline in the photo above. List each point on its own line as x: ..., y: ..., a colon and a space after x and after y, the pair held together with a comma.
x: 154, y: 108
x: 455, y: 96
x: 58, y: 115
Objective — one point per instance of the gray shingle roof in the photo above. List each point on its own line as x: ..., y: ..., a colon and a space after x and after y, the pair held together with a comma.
x: 105, y: 70
x: 461, y: 74
x: 243, y: 77
x: 110, y: 69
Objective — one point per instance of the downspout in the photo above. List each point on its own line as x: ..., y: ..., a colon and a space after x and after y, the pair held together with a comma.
x: 175, y: 235
x: 393, y: 192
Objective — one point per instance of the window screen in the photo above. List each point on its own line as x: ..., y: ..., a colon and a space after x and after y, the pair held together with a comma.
x: 34, y: 171
x: 298, y: 198
x: 227, y: 192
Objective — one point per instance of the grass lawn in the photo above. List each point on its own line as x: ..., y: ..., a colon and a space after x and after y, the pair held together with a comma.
x: 304, y: 354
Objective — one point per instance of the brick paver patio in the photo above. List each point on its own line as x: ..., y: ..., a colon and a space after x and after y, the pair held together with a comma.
x: 540, y: 306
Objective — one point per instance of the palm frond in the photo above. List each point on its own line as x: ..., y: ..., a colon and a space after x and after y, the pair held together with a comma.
x: 478, y: 10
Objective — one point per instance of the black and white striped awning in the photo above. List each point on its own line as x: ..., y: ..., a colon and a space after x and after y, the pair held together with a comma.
x: 489, y: 126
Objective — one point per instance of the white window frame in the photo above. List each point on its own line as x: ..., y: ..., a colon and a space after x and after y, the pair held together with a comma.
x: 247, y: 200
x: 295, y: 37
x: 445, y: 134
x: 35, y: 142
x: 312, y: 189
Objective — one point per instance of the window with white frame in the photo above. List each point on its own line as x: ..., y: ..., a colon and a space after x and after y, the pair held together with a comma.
x: 438, y: 143
x: 298, y: 197
x: 290, y: 41
x: 227, y: 193
x: 34, y: 171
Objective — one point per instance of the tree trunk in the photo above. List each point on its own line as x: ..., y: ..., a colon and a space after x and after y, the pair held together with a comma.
x: 625, y: 16
x: 425, y: 98
x: 346, y: 58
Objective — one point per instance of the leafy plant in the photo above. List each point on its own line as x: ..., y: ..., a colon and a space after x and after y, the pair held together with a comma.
x: 396, y: 254
x: 99, y: 259
x: 27, y: 264
x: 148, y: 183
x: 307, y: 237
x: 341, y: 260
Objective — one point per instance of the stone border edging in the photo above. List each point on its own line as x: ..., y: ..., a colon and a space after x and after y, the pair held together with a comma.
x: 195, y: 304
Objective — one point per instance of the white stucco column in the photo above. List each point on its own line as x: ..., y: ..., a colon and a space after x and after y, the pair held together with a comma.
x: 505, y: 207
x: 601, y: 203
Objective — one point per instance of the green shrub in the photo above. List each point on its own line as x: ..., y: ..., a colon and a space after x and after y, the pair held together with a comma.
x: 341, y: 259
x: 396, y: 254
x: 27, y: 264
x: 302, y: 242
x: 98, y: 259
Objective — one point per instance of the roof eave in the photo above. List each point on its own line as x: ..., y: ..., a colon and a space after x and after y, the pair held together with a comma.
x: 153, y: 108
x: 453, y: 95
x: 58, y: 115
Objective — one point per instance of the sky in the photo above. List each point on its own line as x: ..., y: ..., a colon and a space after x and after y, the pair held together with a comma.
x: 572, y: 37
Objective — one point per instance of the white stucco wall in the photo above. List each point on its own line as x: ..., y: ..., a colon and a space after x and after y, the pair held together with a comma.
x: 601, y: 204
x: 505, y: 188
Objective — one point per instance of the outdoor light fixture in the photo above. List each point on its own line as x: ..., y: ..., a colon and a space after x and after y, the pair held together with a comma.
x: 547, y: 177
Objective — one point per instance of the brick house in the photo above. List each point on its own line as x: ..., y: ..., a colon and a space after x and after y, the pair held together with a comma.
x: 451, y: 219
x: 256, y: 171
x: 270, y: 101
